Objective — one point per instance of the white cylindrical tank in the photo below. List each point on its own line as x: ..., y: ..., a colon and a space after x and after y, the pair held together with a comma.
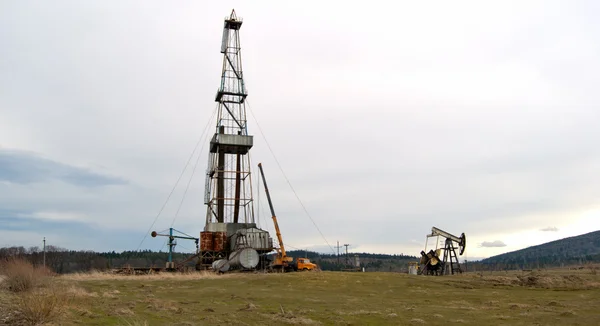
x: 412, y: 269
x: 221, y: 265
x: 245, y: 258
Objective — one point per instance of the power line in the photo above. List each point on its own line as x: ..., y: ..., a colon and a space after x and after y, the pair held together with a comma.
x: 338, y: 252
x: 286, y: 178
x: 187, y: 187
x: 347, y: 245
x: 177, y: 182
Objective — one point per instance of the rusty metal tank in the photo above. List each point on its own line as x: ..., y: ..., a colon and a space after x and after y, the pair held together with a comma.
x: 206, y: 241
x: 219, y: 239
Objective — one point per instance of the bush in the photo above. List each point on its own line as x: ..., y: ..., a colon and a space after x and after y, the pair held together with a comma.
x: 20, y: 275
x: 42, y: 305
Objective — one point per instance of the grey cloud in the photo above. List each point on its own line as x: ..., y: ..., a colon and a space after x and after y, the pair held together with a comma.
x: 493, y: 244
x: 550, y: 229
x: 25, y: 168
x: 479, y: 127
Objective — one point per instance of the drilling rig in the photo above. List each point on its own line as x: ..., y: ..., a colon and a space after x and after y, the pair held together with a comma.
x: 431, y: 262
x: 230, y: 234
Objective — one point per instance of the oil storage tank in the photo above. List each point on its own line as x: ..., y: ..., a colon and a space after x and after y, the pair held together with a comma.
x: 221, y: 265
x: 206, y: 241
x: 219, y: 240
x: 253, y: 238
x: 246, y: 258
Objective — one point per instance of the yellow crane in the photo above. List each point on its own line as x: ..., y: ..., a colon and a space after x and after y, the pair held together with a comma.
x: 281, y: 260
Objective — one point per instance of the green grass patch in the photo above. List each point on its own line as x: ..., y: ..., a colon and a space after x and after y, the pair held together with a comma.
x: 334, y: 298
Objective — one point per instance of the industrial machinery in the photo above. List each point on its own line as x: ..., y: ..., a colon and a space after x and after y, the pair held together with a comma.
x: 353, y: 264
x: 281, y: 260
x: 172, y: 242
x: 431, y: 262
x: 231, y: 237
x: 413, y: 268
x: 303, y: 264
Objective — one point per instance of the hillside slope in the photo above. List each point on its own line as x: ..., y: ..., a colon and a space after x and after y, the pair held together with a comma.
x: 572, y: 250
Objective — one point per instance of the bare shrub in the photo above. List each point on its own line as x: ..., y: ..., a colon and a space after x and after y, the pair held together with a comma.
x: 42, y: 305
x: 20, y: 275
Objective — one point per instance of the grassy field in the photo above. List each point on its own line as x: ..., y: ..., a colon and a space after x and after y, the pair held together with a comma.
x: 557, y: 297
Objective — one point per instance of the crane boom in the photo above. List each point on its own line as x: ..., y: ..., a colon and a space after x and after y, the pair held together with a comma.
x: 172, y: 243
x: 262, y: 174
x: 154, y: 234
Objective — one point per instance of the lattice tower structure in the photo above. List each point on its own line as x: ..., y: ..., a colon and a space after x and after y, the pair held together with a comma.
x: 228, y: 193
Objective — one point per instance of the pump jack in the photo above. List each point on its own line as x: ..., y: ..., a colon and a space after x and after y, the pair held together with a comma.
x: 450, y: 264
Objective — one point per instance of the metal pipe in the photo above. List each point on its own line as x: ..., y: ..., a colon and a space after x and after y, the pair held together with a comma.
x: 435, y: 231
x: 236, y: 208
x: 221, y: 182
x: 170, y: 245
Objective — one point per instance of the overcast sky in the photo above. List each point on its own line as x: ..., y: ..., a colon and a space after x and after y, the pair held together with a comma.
x: 388, y: 118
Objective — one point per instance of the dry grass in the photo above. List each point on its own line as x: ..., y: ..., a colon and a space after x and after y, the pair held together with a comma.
x: 98, y: 275
x: 330, y: 298
x: 21, y: 275
x: 41, y: 305
x: 33, y: 299
x: 133, y: 322
x: 516, y: 298
x: 557, y: 279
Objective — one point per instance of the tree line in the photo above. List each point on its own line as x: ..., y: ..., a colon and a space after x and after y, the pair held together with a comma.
x: 62, y: 260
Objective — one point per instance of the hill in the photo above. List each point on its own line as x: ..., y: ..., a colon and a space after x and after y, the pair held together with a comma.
x: 568, y: 251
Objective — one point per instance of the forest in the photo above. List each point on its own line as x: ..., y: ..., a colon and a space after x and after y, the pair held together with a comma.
x: 62, y: 260
x: 573, y: 251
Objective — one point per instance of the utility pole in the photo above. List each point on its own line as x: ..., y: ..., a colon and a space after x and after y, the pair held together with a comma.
x: 44, y: 251
x: 338, y: 254
x: 346, y: 253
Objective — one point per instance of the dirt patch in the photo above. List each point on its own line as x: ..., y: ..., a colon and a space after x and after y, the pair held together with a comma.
x: 516, y: 306
x: 248, y: 307
x: 124, y: 312
x: 567, y: 314
x: 552, y: 281
x: 162, y: 305
x: 290, y: 318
